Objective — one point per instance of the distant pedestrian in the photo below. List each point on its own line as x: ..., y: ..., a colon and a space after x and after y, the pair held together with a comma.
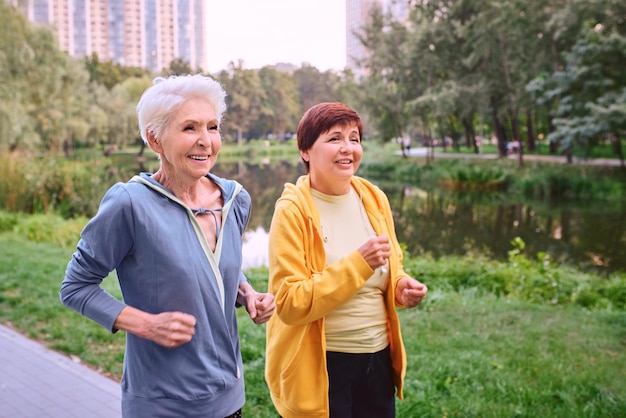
x: 407, y: 144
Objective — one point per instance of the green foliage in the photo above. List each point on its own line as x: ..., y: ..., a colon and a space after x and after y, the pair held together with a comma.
x: 50, y: 228
x: 539, y: 281
x: 110, y: 74
x: 44, y: 98
x: 549, y: 182
x: 474, y: 178
x: 281, y: 110
x: 590, y: 90
x: 8, y: 221
x: 178, y: 67
x: 53, y: 184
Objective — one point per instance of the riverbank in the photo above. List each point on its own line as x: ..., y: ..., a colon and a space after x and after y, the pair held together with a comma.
x: 423, y: 152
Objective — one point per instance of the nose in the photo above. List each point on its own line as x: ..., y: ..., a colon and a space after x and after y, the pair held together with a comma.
x: 346, y: 145
x: 204, y: 140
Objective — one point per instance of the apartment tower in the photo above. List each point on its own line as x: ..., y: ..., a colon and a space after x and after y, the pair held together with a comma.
x: 140, y: 33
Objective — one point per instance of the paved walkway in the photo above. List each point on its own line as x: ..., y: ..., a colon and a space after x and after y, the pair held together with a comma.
x: 36, y: 382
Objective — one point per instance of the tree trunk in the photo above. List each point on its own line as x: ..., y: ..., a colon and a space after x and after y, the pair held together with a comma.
x: 430, y: 154
x: 470, y: 135
x: 618, y: 150
x: 454, y: 135
x: 506, y: 66
x: 497, y: 126
x: 67, y: 147
x: 568, y: 156
x: 532, y: 146
x: 142, y: 149
x: 554, y: 146
x: 239, y: 137
x: 520, y: 154
x: 443, y: 134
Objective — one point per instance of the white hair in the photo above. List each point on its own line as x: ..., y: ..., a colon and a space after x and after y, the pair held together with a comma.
x: 159, y: 102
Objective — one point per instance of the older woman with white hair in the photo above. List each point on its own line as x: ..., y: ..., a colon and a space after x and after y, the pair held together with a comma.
x: 174, y: 238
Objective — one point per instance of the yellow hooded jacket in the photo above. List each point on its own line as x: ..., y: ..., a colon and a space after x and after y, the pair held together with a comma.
x: 306, y: 291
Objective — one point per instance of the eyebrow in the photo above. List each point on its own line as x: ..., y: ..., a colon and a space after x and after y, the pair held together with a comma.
x: 196, y: 121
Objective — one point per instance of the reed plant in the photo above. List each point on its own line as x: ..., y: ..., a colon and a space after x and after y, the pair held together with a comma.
x: 50, y: 184
x: 476, y: 178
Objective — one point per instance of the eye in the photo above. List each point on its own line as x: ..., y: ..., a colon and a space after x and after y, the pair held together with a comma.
x: 356, y: 140
x: 213, y: 127
x: 188, y: 128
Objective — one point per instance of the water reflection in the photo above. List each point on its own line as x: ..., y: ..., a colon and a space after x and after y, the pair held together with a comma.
x: 255, y: 248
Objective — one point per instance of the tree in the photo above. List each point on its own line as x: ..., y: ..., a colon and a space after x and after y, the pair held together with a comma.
x: 109, y: 73
x: 281, y: 111
x: 315, y: 87
x: 179, y: 66
x: 245, y: 99
x: 590, y: 91
x: 394, y: 76
x: 43, y: 98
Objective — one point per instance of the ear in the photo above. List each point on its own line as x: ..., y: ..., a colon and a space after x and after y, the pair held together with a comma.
x: 153, y: 142
x: 305, y: 155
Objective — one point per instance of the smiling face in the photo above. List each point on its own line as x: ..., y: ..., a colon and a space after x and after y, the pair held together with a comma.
x: 189, y: 145
x: 334, y: 158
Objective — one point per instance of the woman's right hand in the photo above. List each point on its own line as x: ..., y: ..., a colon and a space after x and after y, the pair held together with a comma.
x: 376, y: 251
x: 172, y: 329
x: 169, y: 329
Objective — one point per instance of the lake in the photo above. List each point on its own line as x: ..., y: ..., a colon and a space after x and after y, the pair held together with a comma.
x: 590, y: 236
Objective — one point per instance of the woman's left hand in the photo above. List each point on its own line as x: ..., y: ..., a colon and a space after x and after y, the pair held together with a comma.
x: 260, y: 306
x: 410, y: 292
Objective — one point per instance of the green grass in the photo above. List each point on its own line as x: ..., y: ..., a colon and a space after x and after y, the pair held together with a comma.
x: 482, y: 356
x: 470, y: 353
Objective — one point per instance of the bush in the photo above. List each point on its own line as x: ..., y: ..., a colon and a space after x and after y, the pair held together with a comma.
x: 51, y: 228
x: 7, y: 221
x: 538, y: 280
x: 52, y: 185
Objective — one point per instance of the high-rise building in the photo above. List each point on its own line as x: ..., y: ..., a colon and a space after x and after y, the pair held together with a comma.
x: 140, y: 33
x: 358, y: 13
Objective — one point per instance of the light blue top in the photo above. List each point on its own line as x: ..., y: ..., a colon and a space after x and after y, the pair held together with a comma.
x: 163, y: 263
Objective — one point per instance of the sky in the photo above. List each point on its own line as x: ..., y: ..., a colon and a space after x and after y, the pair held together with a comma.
x: 267, y: 32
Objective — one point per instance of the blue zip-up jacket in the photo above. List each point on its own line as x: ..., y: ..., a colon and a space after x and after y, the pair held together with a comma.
x: 163, y: 263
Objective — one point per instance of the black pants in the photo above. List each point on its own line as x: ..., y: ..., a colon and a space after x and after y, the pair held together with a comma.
x: 361, y: 385
x: 235, y: 415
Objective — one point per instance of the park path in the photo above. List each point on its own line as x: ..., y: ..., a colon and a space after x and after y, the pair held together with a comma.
x: 36, y: 382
